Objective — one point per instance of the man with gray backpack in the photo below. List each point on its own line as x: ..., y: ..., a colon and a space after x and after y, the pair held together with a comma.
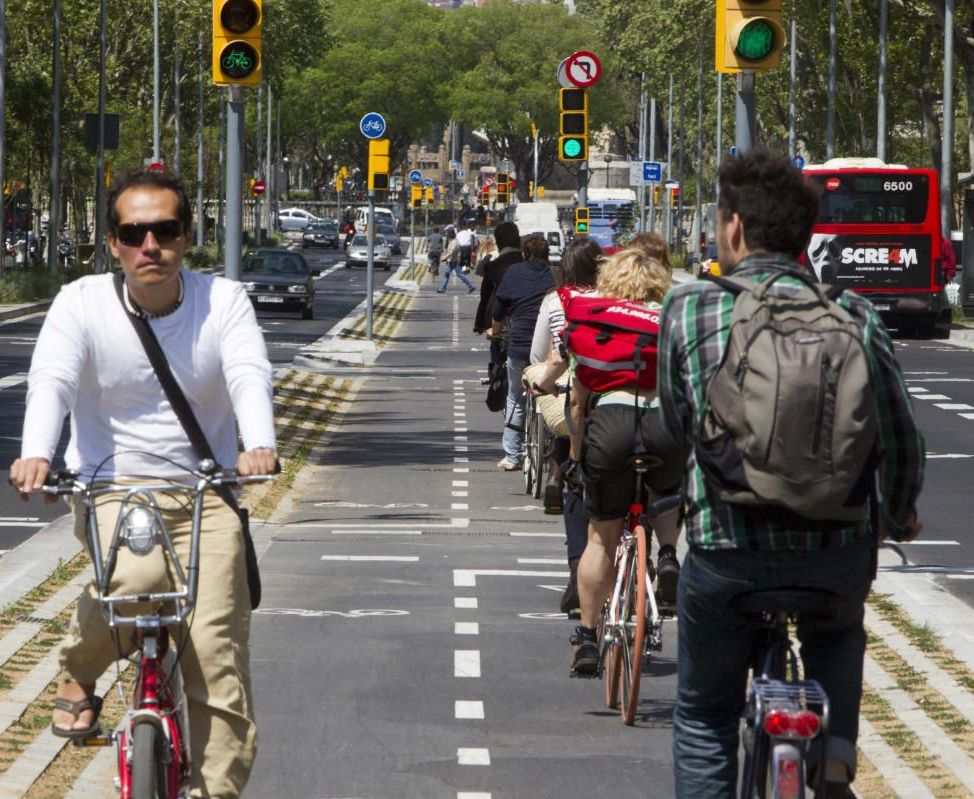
x: 803, y: 452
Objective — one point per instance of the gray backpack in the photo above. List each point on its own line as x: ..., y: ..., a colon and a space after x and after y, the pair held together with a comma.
x: 789, y: 417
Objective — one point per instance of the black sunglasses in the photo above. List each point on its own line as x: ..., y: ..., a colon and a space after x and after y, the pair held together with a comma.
x: 132, y: 234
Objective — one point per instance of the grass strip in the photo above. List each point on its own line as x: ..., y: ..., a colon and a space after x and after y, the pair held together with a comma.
x: 923, y: 638
x: 910, y: 749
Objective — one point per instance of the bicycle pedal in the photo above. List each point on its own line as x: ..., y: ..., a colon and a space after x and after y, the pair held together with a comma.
x: 102, y: 738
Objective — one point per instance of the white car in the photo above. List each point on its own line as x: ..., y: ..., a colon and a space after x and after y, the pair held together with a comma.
x: 358, y: 253
x: 294, y: 219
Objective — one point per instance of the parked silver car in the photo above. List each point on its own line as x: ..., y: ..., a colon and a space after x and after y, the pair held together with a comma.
x: 294, y: 219
x: 358, y: 253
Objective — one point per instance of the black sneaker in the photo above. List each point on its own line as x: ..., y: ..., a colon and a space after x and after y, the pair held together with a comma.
x: 667, y: 576
x: 585, y: 659
x: 553, y: 498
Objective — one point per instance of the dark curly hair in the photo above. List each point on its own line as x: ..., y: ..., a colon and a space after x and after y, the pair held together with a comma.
x: 776, y: 206
x: 150, y: 178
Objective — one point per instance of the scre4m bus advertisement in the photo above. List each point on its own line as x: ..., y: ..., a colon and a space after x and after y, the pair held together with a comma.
x: 878, y: 233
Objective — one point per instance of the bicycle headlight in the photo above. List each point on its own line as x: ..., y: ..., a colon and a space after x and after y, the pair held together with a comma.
x: 142, y: 527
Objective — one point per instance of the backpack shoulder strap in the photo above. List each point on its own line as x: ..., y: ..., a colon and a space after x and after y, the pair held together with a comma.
x: 735, y: 285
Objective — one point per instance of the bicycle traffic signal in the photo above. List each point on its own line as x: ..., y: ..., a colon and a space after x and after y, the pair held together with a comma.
x: 581, y: 220
x: 415, y: 195
x: 573, y: 124
x: 485, y: 196
x: 236, y: 55
x: 749, y: 35
x: 503, y: 187
x: 378, y: 164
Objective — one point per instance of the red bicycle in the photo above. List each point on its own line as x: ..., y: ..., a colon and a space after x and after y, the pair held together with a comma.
x: 152, y: 740
x: 631, y: 624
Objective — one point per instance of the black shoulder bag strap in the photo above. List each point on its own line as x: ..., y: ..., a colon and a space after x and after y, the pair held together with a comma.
x: 184, y: 412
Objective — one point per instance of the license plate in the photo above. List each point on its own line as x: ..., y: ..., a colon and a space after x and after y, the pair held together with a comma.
x: 883, y: 306
x: 267, y: 298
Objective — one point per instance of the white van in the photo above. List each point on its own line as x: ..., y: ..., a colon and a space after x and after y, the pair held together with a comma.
x: 383, y: 216
x: 542, y: 219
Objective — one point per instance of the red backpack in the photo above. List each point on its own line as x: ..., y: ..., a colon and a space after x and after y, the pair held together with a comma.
x: 613, y: 341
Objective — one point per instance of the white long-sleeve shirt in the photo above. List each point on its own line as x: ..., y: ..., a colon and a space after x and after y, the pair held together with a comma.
x: 90, y: 363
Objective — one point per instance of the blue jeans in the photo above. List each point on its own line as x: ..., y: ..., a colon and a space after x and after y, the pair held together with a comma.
x: 715, y: 648
x: 454, y: 267
x: 512, y: 439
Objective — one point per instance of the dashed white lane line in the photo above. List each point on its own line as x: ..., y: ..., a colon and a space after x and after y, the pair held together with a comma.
x: 536, y: 535
x: 966, y: 415
x: 459, y: 494
x: 468, y: 709
x: 473, y: 757
x: 466, y: 663
x: 466, y: 628
x: 954, y: 406
x: 459, y: 506
x: 376, y: 532
x: 465, y: 602
x: 925, y: 396
x: 473, y: 795
x: 377, y: 558
x: 932, y: 543
x: 461, y: 470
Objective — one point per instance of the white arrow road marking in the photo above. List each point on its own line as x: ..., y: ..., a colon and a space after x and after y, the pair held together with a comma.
x: 316, y: 614
x: 374, y: 558
x: 467, y: 578
x: 13, y: 380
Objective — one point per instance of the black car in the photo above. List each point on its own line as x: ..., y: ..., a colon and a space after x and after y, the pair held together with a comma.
x: 388, y: 235
x: 279, y: 280
x: 320, y: 234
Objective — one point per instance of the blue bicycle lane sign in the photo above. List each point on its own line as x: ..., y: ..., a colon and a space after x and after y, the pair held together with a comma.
x: 372, y: 125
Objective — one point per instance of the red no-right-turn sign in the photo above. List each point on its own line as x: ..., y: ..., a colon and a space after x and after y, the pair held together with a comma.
x: 583, y: 68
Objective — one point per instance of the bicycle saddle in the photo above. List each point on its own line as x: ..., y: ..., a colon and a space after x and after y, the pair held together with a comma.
x: 805, y: 602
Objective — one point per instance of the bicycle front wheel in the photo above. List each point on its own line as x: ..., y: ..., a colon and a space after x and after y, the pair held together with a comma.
x: 529, y: 446
x: 149, y: 780
x: 540, y: 434
x: 634, y: 626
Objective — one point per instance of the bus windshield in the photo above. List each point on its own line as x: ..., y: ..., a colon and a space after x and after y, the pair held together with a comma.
x: 872, y: 198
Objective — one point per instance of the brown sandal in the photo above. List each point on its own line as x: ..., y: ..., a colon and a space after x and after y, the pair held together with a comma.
x: 77, y: 708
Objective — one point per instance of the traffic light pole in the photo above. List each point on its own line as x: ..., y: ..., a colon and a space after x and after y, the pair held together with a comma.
x: 744, y: 112
x: 412, y: 238
x: 370, y: 271
x: 235, y: 140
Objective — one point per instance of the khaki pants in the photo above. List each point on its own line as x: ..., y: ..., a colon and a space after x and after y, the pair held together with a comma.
x: 215, y: 658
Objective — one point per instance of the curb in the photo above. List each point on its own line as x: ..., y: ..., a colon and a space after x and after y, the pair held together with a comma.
x: 26, y: 309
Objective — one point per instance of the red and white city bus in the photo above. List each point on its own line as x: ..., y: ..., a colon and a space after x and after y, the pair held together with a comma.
x: 878, y: 233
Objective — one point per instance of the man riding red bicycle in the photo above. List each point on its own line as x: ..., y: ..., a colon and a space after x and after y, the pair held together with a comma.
x: 89, y: 361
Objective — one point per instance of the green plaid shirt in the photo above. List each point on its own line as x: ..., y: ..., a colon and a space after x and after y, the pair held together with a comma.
x: 693, y: 335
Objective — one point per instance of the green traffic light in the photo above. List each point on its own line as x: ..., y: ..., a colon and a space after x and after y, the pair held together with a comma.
x: 581, y: 227
x: 238, y: 60
x: 573, y: 148
x: 756, y: 40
